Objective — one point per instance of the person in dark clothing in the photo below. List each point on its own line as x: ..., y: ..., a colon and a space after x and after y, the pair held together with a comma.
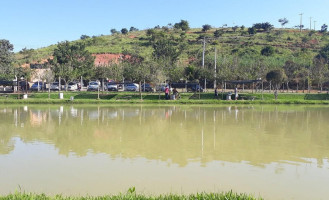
x: 216, y: 92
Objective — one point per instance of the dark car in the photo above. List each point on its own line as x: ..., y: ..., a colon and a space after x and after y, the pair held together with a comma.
x: 24, y: 85
x: 37, y: 86
x: 147, y: 88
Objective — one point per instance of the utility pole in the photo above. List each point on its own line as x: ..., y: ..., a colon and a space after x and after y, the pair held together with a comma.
x: 203, y: 52
x: 314, y: 24
x: 301, y: 21
x: 310, y: 23
x: 215, y: 68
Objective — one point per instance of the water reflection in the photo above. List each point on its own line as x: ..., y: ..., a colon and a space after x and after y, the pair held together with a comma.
x: 258, y: 135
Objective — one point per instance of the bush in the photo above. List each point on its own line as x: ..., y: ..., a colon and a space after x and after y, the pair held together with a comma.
x: 267, y: 51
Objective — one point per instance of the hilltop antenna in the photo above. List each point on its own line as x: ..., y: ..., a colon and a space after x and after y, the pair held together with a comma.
x: 310, y: 23
x: 314, y: 24
x: 301, y: 21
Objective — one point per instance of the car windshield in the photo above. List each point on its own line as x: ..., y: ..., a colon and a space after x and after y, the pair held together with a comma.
x: 93, y: 83
x: 130, y: 84
x: 54, y: 83
x: 71, y: 83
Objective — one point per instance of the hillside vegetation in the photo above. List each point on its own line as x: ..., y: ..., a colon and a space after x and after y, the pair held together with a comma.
x: 288, y: 43
x: 175, y: 54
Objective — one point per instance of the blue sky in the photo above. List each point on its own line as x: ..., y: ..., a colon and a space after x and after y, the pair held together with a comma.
x: 39, y: 23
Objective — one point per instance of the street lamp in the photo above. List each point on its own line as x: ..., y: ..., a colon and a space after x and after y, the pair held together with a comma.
x: 260, y: 79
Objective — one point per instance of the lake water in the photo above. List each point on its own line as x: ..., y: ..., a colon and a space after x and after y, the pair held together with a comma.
x: 277, y: 152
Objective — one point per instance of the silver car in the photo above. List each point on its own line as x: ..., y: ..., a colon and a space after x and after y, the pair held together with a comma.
x: 131, y: 87
x: 93, y: 86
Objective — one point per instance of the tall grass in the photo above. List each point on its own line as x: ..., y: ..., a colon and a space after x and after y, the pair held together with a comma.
x: 132, y: 195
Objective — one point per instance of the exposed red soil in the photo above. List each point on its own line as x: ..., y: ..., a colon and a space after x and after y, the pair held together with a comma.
x: 106, y: 58
x: 100, y: 59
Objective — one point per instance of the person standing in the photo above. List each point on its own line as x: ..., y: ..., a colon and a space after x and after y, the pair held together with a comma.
x: 167, y: 93
x: 236, y: 93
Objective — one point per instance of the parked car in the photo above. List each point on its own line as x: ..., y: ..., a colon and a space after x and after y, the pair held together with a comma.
x: 37, y: 86
x: 112, y: 86
x: 54, y: 86
x: 72, y: 86
x: 93, y: 86
x: 131, y: 87
x: 147, y: 88
x: 24, y: 85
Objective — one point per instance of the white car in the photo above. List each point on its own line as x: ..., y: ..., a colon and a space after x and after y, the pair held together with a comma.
x: 72, y: 86
x: 93, y: 86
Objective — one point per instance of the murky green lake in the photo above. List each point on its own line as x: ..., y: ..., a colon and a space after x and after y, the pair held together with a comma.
x: 277, y: 152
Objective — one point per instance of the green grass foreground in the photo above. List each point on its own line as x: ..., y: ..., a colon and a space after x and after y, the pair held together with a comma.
x: 132, y: 195
x: 156, y: 98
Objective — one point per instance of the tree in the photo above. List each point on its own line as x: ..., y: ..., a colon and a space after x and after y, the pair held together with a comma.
x: 132, y: 29
x: 320, y: 72
x: 267, y: 51
x: 71, y: 61
x: 206, y: 27
x: 242, y: 28
x: 218, y: 33
x: 183, y: 25
x: 252, y: 31
x: 124, y: 31
x: 6, y: 60
x: 48, y: 75
x: 136, y: 69
x: 324, y: 28
x: 82, y: 37
x: 113, y: 31
x: 283, y: 22
x: 276, y: 77
x: 324, y: 53
x: 263, y: 26
x: 290, y: 68
x: 150, y: 32
x: 167, y: 47
x: 234, y: 28
x: 27, y: 54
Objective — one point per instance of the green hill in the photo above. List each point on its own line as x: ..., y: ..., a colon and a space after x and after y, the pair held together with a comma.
x: 288, y: 44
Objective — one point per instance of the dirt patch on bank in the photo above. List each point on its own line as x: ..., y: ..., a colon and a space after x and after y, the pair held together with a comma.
x: 107, y: 58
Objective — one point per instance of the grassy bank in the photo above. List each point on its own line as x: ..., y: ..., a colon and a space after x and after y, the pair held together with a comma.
x: 156, y: 98
x: 131, y: 195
